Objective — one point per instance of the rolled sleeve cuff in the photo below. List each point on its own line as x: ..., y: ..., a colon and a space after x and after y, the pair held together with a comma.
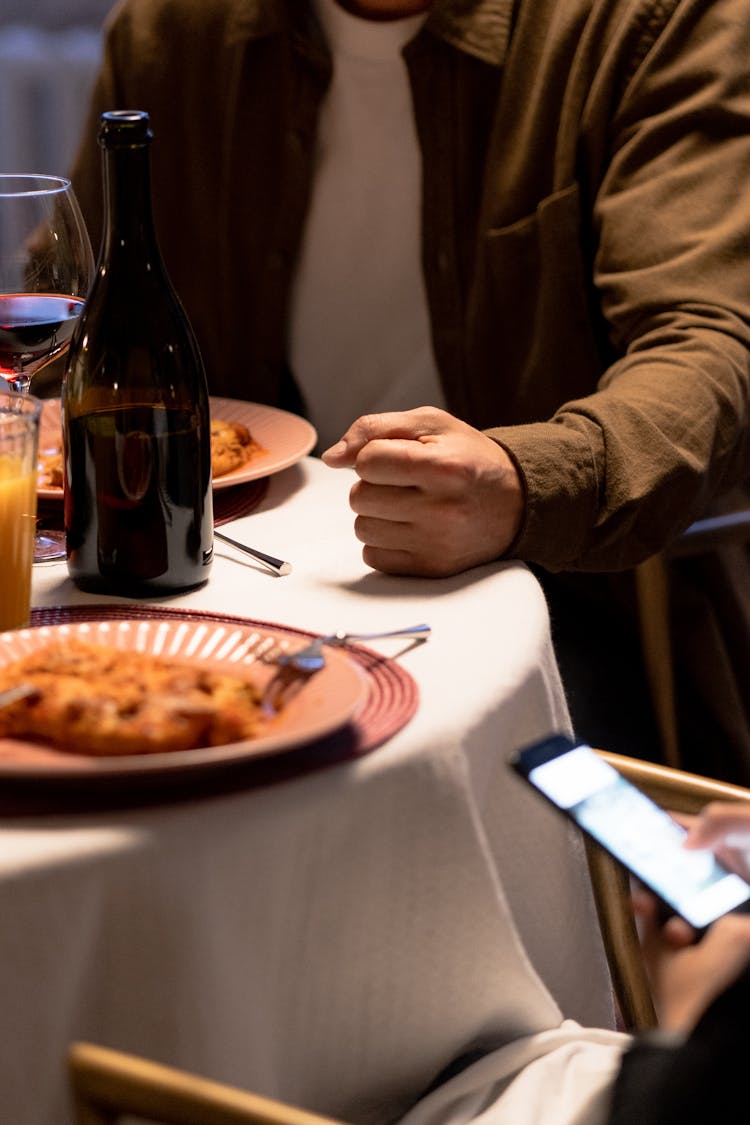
x: 558, y: 470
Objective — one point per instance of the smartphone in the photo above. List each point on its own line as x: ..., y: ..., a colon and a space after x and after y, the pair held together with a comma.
x: 629, y: 825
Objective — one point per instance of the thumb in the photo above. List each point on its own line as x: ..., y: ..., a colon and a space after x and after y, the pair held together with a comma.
x: 410, y: 424
x: 339, y: 455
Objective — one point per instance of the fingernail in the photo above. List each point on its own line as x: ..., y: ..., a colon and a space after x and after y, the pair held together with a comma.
x: 336, y: 450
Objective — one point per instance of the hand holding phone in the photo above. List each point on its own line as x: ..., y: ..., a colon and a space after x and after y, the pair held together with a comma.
x: 625, y: 821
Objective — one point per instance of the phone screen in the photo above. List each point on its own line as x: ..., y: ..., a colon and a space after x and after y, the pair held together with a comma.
x: 633, y: 828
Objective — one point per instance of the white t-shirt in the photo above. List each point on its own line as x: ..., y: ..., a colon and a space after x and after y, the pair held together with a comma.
x: 359, y: 326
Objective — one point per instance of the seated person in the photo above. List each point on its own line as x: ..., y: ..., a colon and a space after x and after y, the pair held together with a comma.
x: 696, y: 1073
x: 502, y: 248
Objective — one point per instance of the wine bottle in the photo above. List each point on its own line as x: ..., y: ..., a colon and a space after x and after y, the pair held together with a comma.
x: 136, y: 424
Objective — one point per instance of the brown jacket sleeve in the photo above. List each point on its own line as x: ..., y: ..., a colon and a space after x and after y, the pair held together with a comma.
x: 612, y: 476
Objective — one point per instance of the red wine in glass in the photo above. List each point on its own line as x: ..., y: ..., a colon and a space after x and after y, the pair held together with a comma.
x: 34, y: 327
x: 46, y: 269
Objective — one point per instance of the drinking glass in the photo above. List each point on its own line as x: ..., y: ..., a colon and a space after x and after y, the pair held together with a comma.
x: 19, y: 450
x: 46, y: 269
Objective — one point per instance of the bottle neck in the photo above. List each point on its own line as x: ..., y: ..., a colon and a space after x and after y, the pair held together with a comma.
x: 129, y: 222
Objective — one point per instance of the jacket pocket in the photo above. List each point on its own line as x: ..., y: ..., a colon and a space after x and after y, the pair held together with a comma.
x: 541, y: 307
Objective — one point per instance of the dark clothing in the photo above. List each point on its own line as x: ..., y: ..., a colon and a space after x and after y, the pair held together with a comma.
x: 698, y: 1082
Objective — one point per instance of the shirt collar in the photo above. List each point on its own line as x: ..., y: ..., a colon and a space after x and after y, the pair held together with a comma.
x: 479, y: 27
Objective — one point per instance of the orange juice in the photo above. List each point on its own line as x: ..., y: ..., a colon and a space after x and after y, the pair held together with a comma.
x: 17, y: 525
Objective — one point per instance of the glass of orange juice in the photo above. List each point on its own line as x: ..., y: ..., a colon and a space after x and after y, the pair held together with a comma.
x: 19, y: 444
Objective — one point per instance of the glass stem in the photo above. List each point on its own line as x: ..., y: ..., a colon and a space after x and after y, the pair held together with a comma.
x: 19, y: 381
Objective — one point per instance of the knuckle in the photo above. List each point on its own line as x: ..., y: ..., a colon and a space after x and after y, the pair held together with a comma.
x: 370, y: 426
x: 433, y: 416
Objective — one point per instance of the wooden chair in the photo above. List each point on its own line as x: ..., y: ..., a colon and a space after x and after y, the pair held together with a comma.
x: 679, y: 792
x: 652, y: 597
x: 107, y: 1084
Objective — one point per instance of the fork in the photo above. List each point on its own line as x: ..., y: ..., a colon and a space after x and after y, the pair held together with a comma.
x: 311, y: 658
x: 294, y: 669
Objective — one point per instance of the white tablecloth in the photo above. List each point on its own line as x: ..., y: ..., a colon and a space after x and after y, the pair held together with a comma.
x: 338, y: 939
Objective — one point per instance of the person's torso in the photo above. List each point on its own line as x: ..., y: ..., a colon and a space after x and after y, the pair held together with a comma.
x: 512, y: 148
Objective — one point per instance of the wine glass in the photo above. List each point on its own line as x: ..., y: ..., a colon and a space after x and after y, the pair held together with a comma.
x: 46, y: 269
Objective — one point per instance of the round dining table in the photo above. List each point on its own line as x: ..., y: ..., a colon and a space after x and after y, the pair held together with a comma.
x: 342, y: 923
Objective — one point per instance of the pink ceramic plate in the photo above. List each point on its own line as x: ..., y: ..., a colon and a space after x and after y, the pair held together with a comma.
x: 286, y: 437
x: 325, y: 703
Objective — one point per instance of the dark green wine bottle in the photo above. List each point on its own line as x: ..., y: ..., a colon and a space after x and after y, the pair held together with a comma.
x: 136, y: 424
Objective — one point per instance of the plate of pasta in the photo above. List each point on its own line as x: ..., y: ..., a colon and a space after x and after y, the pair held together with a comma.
x: 248, y: 440
x: 128, y: 696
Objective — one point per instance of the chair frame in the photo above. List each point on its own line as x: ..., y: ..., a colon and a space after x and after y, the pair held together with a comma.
x: 653, y: 601
x: 108, y: 1084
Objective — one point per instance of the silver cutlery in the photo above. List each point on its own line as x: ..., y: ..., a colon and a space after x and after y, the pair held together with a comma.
x: 311, y: 658
x: 278, y: 566
x: 294, y: 669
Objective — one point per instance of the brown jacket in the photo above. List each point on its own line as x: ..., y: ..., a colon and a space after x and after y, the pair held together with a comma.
x: 586, y: 229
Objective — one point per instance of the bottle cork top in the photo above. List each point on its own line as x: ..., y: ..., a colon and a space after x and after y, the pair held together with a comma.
x: 125, y: 127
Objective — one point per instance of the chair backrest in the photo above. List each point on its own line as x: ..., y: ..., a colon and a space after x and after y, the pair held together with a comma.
x: 652, y: 590
x: 679, y: 792
x: 107, y: 1085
